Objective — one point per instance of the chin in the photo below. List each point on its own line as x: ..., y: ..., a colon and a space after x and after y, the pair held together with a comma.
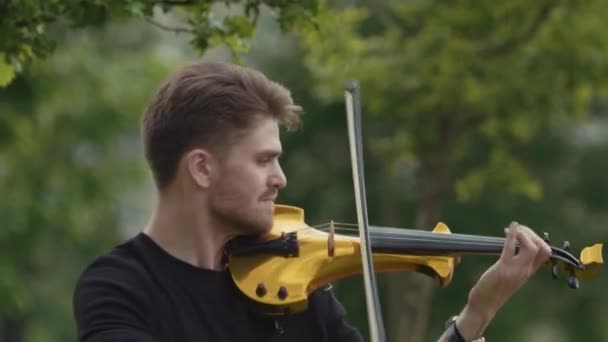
x: 266, y: 218
x: 258, y: 225
x: 265, y: 226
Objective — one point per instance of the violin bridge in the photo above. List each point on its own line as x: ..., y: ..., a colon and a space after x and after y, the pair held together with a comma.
x: 331, y: 245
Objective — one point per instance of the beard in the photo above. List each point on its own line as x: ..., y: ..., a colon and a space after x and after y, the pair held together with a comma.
x: 240, y: 218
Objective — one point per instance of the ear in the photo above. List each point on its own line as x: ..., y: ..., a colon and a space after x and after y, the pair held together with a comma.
x: 199, y: 164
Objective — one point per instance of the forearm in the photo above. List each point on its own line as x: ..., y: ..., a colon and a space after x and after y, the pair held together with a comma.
x: 500, y: 282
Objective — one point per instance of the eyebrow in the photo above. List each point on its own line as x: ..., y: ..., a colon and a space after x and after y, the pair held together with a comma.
x: 270, y: 153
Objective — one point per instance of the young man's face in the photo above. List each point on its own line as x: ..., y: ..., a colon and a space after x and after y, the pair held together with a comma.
x: 248, y: 180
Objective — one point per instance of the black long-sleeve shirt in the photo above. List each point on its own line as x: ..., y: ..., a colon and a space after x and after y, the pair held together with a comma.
x: 137, y: 292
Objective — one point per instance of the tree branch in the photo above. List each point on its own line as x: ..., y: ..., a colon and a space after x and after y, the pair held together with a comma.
x: 176, y: 3
x: 170, y: 29
x: 518, y: 40
x: 33, y: 21
x: 387, y: 19
x: 471, y: 122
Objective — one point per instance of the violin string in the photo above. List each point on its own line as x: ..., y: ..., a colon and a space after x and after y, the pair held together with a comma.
x: 351, y: 227
x: 419, y: 235
x: 425, y: 236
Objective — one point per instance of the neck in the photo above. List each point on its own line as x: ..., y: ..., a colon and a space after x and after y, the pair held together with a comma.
x: 181, y: 226
x: 420, y: 242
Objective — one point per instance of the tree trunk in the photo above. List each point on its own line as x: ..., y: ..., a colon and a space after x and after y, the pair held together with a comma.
x: 410, y: 296
x: 410, y: 293
x: 409, y: 306
x: 12, y: 329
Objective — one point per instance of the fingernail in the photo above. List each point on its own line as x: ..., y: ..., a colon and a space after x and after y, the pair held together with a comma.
x: 506, y: 231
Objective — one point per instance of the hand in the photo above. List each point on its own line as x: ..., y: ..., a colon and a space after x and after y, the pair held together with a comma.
x: 503, y: 279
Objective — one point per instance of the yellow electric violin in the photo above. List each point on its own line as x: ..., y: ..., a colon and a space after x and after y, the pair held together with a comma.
x: 279, y: 270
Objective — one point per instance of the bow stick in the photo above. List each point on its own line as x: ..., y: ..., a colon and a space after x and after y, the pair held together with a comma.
x: 353, y: 116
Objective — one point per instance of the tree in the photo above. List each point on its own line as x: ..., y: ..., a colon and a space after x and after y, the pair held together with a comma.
x: 69, y: 160
x: 68, y: 124
x: 28, y: 29
x: 68, y: 127
x: 446, y: 83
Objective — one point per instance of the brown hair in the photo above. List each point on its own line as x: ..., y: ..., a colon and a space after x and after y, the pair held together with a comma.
x: 202, y: 105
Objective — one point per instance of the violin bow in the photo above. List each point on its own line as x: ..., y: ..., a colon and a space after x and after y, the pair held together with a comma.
x: 355, y: 139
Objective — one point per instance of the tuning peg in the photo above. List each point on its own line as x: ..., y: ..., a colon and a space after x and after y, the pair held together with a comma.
x: 573, y: 281
x: 554, y: 270
x: 554, y: 267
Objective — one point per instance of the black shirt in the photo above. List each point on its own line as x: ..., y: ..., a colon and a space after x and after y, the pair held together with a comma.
x: 138, y: 292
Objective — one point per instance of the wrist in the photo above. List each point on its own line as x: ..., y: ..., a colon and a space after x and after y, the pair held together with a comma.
x: 472, y: 322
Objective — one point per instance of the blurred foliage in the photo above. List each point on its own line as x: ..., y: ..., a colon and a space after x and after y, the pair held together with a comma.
x: 456, y: 94
x: 68, y: 151
x: 531, y: 145
x: 28, y: 27
x: 441, y: 78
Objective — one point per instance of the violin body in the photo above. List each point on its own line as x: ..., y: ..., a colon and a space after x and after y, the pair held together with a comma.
x: 279, y: 270
x: 282, y: 282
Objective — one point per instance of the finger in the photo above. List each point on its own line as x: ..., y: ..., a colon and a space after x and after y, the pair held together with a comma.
x: 527, y: 248
x: 544, y: 250
x: 537, y: 239
x: 508, y: 250
x: 542, y: 256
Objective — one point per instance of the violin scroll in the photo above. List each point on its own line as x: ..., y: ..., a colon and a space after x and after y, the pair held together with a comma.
x: 562, y: 261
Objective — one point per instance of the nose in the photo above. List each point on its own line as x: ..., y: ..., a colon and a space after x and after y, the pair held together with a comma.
x: 278, y: 179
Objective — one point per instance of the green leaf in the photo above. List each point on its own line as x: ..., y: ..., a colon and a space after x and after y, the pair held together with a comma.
x: 7, y: 72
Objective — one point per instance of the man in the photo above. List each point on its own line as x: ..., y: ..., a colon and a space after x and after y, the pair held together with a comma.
x: 211, y: 138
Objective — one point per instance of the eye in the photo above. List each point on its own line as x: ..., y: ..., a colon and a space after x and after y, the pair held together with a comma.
x: 265, y: 160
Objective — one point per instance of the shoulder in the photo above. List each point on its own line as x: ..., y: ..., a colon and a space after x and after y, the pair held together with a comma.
x: 118, y: 278
x: 113, y: 298
x: 122, y: 264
